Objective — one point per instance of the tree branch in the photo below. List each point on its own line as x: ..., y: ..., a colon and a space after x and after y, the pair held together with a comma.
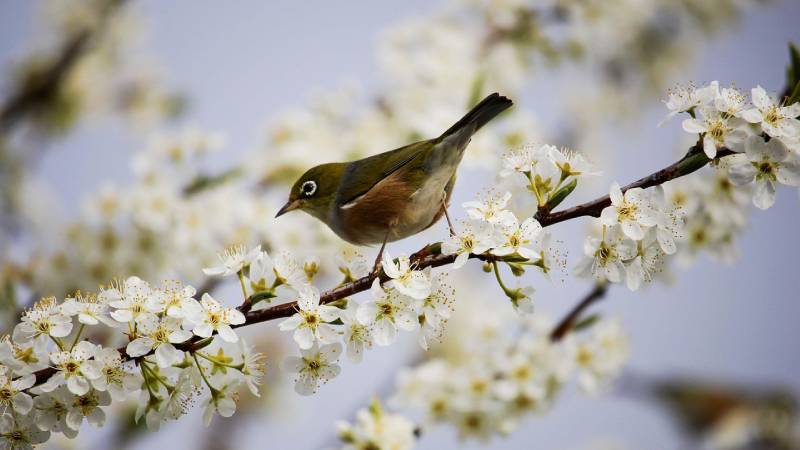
x: 431, y: 256
x: 571, y: 319
x: 38, y: 91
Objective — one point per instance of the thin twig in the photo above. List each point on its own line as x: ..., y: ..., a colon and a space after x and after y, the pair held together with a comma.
x: 571, y: 319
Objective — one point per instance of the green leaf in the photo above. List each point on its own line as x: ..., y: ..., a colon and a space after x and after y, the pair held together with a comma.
x: 793, y: 75
x: 586, y: 322
x: 561, y: 194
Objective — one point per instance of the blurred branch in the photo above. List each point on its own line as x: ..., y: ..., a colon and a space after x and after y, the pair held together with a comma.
x: 40, y: 88
x: 569, y: 322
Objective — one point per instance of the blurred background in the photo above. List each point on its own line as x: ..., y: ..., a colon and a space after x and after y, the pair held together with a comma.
x: 141, y: 137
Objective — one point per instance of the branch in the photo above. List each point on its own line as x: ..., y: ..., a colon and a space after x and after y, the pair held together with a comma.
x: 571, y: 319
x: 431, y: 256
x: 42, y: 88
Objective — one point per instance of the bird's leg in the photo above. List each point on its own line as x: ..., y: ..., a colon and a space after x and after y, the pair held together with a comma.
x: 446, y: 215
x: 376, y: 268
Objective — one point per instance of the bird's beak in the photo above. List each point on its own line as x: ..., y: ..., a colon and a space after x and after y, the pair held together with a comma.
x: 289, y: 206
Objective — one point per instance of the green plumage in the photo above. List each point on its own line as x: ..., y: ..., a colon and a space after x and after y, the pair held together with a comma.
x: 394, y: 194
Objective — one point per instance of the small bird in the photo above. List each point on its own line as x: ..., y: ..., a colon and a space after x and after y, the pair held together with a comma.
x: 395, y: 194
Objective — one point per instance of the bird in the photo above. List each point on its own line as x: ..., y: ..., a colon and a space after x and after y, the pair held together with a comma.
x: 395, y: 194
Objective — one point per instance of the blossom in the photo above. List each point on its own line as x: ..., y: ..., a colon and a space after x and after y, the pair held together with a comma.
x: 176, y: 299
x: 46, y: 318
x: 214, y: 317
x: 12, y: 395
x: 376, y: 429
x: 386, y: 312
x: 88, y: 308
x: 775, y: 120
x: 468, y: 241
x: 310, y: 321
x: 159, y: 336
x: 649, y: 259
x: 132, y: 301
x: 600, y: 357
x: 52, y: 411
x: 519, y: 160
x: 88, y: 406
x: 767, y: 163
x: 24, y: 357
x: 631, y: 210
x: 604, y: 257
x: 717, y: 130
x: 266, y: 274
x: 491, y: 209
x: 357, y: 336
x: 687, y: 98
x: 352, y: 265
x: 232, y: 260
x: 222, y: 401
x: 571, y: 163
x: 316, y: 365
x: 113, y: 377
x: 252, y: 367
x: 410, y: 282
x: 20, y: 432
x: 730, y: 101
x: 435, y: 310
x: 519, y: 239
x: 76, y: 367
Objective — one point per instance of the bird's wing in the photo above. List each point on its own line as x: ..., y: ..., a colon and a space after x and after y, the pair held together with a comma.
x: 362, y: 175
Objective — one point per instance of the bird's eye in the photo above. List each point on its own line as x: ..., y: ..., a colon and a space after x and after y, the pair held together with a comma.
x: 308, y: 188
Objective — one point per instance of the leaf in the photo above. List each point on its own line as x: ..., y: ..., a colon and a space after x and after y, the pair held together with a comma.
x: 561, y: 194
x: 586, y: 322
x: 793, y: 75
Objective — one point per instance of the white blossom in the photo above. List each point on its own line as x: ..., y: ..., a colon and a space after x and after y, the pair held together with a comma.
x: 20, y: 433
x: 310, y: 323
x: 89, y: 309
x: 410, y: 282
x: 777, y: 121
x: 12, y: 395
x: 315, y: 366
x: 215, y: 317
x: 767, y: 163
x: 632, y: 211
x: 46, y: 318
x: 491, y: 209
x: 717, y: 130
x: 519, y: 239
x: 160, y: 336
x: 76, y: 367
x: 232, y: 260
x: 357, y: 335
x: 604, y: 257
x: 386, y: 312
x: 469, y: 240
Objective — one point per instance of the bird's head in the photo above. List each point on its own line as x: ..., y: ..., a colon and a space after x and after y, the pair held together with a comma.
x: 315, y: 191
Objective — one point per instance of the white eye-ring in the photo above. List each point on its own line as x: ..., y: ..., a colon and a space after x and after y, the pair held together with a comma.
x: 308, y: 188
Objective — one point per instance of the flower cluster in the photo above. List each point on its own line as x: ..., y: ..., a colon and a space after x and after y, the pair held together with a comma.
x: 171, y: 337
x: 636, y: 232
x: 551, y: 174
x: 765, y: 130
x: 510, y: 370
x: 412, y: 300
x: 376, y: 429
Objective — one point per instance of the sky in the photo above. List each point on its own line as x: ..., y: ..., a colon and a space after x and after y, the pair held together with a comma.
x: 251, y: 60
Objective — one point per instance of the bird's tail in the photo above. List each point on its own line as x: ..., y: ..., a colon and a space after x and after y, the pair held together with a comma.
x: 480, y: 115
